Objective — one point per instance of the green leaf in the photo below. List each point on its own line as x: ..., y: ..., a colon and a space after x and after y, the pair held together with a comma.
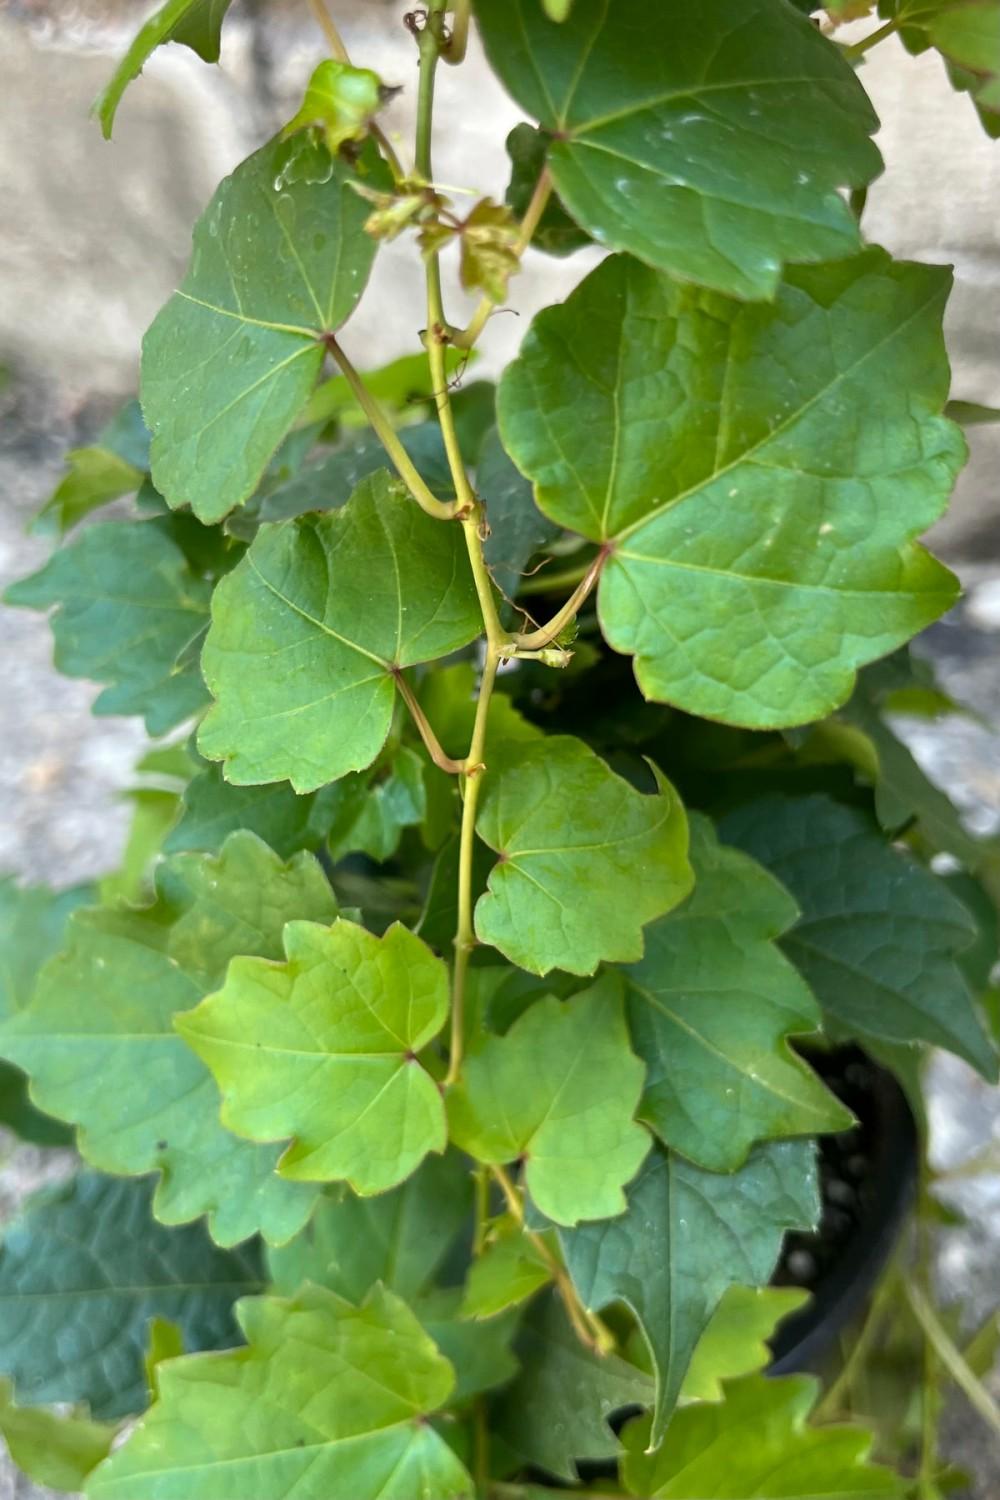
x: 154, y: 812
x: 310, y: 628
x: 760, y: 538
x: 557, y: 1410
x: 231, y: 360
x: 517, y: 528
x: 213, y: 809
x: 710, y: 1009
x: 735, y: 1341
x: 373, y: 822
x: 481, y: 1356
x: 585, y: 860
x: 398, y: 1238
x: 323, y: 1048
x: 878, y: 936
x: 556, y: 233
x: 196, y: 23
x: 340, y: 100
x: 558, y: 1092
x: 32, y: 923
x: 755, y: 1446
x: 686, y: 1236
x: 112, y: 466
x: 98, y: 1042
x: 972, y: 413
x: 129, y: 613
x: 709, y: 142
x: 55, y: 1451
x: 82, y: 1272
x: 165, y: 1341
x: 330, y: 483
x: 327, y: 1399
x: 509, y: 1271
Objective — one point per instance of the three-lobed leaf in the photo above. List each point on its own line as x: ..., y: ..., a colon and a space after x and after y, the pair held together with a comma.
x: 558, y: 1093
x: 711, y: 141
x: 310, y: 628
x: 323, y: 1048
x: 586, y: 860
x: 760, y: 534
x: 326, y: 1399
x: 879, y: 935
x: 711, y: 1006
x: 231, y: 360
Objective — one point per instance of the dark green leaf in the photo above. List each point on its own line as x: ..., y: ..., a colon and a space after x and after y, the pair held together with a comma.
x: 82, y: 1272
x: 232, y: 358
x: 372, y: 823
x: 556, y: 232
x: 326, y: 1400
x: 196, y: 23
x: 517, y: 528
x: 755, y: 1446
x: 129, y: 613
x: 112, y: 466
x: 329, y: 484
x: 569, y: 833
x: 711, y: 1006
x: 481, y: 1356
x: 398, y: 1238
x: 309, y: 629
x: 879, y: 934
x: 55, y: 1451
x: 324, y: 1048
x: 709, y: 141
x: 686, y: 1236
x: 760, y: 536
x: 558, y: 1092
x: 213, y: 809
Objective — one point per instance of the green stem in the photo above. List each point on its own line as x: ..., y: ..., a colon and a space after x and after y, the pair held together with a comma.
x: 441, y: 510
x: 535, y: 640
x: 860, y: 48
x: 937, y: 1337
x: 432, y: 744
x: 532, y: 217
x: 458, y: 40
x: 830, y: 1405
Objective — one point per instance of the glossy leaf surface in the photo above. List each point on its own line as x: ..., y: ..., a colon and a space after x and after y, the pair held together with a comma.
x: 308, y: 630
x: 711, y: 1007
x: 568, y: 831
x: 709, y: 143
x: 323, y: 1048
x: 760, y: 533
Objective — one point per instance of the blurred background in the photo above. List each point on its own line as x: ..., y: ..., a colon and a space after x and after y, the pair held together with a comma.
x: 94, y: 236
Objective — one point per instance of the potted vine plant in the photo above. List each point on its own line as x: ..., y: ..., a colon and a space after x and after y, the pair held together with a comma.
x: 465, y: 1031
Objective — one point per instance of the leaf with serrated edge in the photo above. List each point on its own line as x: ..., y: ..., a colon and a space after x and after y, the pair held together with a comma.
x: 212, y: 809
x: 685, y: 1237
x: 878, y: 936
x: 710, y: 1009
x: 735, y: 1341
x: 755, y: 1445
x: 571, y: 834
x: 760, y: 533
x: 323, y: 1048
x: 98, y: 1042
x: 310, y: 627
x: 708, y: 140
x: 509, y: 1271
x: 398, y: 1238
x: 326, y: 1400
x: 558, y: 1092
x: 128, y: 611
x: 196, y: 23
x: 58, y: 1451
x: 232, y: 358
x: 81, y: 1274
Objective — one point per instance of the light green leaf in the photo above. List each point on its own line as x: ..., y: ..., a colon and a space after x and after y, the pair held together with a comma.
x: 686, y: 1237
x: 82, y: 1272
x: 735, y: 1340
x: 326, y: 1399
x: 585, y: 860
x: 165, y: 1341
x: 760, y: 536
x: 129, y: 613
x: 557, y: 1410
x: 96, y: 477
x: 32, y: 923
x: 710, y: 1010
x: 213, y: 809
x: 398, y: 1238
x: 231, y: 360
x: 310, y: 628
x: 323, y: 1048
x: 154, y: 812
x: 196, y: 23
x: 58, y: 1452
x: 517, y: 528
x: 709, y: 141
x: 98, y: 1042
x: 509, y: 1271
x: 878, y: 936
x: 340, y: 100
x: 558, y: 1092
x: 755, y: 1446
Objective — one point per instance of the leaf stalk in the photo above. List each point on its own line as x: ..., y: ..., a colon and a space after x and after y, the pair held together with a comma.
x: 532, y: 217
x: 432, y: 744
x: 535, y: 640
